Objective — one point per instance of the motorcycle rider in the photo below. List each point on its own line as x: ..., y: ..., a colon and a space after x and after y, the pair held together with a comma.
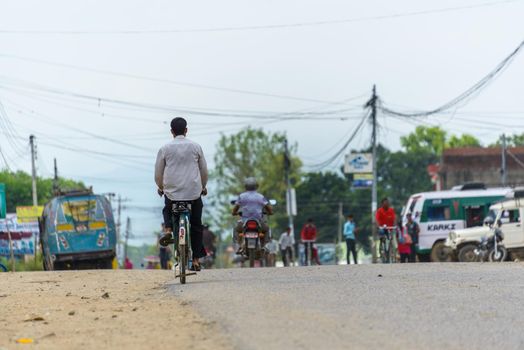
x: 252, y: 206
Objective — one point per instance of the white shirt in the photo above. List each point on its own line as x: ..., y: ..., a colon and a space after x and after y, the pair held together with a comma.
x: 286, y: 241
x: 181, y: 169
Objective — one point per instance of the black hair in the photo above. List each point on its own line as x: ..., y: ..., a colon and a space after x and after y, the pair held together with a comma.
x: 384, y: 199
x: 178, y: 126
x: 310, y: 220
x: 350, y: 216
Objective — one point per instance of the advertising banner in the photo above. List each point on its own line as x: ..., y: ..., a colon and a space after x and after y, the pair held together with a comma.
x: 22, y: 235
x: 356, y: 163
x: 2, y: 202
x: 362, y: 180
x: 29, y: 214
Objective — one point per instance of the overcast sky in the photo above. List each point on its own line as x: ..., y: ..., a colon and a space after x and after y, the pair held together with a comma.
x: 416, y: 61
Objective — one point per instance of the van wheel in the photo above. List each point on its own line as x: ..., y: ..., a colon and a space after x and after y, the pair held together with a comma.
x: 467, y: 253
x: 440, y: 253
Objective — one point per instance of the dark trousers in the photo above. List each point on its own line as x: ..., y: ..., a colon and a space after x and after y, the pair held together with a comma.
x: 351, y: 247
x: 308, y: 251
x: 164, y: 258
x: 413, y: 255
x: 287, y: 256
x: 404, y: 258
x: 195, y: 220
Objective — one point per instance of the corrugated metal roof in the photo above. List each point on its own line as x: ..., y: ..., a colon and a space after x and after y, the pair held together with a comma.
x: 479, y: 151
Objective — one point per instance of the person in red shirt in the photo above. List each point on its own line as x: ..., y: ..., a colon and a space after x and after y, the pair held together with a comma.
x: 385, y: 217
x: 308, y: 236
x: 404, y: 243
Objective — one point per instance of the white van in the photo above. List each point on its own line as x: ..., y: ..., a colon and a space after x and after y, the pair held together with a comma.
x: 440, y: 212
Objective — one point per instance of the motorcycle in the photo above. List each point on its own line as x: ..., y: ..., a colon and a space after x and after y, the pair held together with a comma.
x: 491, y: 248
x: 253, y: 241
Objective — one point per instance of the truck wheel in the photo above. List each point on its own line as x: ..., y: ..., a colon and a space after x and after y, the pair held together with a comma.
x: 440, y: 253
x: 467, y: 253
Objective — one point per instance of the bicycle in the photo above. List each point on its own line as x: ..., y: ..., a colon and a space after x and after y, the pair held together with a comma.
x: 182, y: 241
x: 387, y: 246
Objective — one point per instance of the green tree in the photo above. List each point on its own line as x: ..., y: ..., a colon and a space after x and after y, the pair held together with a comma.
x: 19, y: 188
x: 318, y: 197
x: 433, y: 140
x: 252, y: 152
x: 465, y: 140
x: 515, y: 140
x: 424, y: 139
x: 401, y: 174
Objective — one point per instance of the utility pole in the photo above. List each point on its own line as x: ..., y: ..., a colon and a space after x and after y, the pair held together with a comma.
x: 372, y: 103
x: 503, y: 170
x: 340, y: 223
x: 33, y: 176
x: 118, y: 222
x: 128, y: 232
x: 287, y: 168
x: 56, y: 190
x: 33, y: 168
x: 11, y: 252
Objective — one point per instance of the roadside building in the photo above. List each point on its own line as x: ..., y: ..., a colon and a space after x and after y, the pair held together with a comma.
x: 476, y: 164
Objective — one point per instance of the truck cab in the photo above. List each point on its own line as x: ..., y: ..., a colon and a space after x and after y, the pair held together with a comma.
x: 507, y: 214
x: 77, y: 231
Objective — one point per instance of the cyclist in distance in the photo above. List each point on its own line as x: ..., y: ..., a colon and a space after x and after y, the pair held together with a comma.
x: 252, y: 206
x: 385, y: 217
x: 181, y: 175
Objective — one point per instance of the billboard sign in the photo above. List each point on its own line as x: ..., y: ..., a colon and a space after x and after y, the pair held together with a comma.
x: 291, y: 202
x: 358, y: 163
x: 22, y: 235
x: 3, y: 204
x: 362, y: 180
x: 29, y: 214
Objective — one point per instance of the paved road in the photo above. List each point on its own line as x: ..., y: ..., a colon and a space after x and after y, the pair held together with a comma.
x: 411, y: 306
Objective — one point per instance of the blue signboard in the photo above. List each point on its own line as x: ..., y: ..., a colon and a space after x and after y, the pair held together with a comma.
x: 2, y: 202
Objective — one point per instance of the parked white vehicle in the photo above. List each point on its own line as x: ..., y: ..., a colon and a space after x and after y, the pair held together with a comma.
x: 438, y: 213
x: 506, y: 213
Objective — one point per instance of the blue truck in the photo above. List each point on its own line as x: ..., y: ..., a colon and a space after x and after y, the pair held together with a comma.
x: 78, y: 231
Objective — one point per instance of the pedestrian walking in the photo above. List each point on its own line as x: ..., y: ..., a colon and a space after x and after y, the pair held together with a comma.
x: 349, y: 234
x: 128, y: 265
x: 314, y: 255
x: 308, y: 236
x: 272, y: 250
x: 404, y: 243
x: 413, y: 230
x: 286, y: 243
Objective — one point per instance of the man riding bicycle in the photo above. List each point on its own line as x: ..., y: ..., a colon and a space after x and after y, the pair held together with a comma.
x: 385, y: 218
x: 181, y: 175
x: 252, y: 206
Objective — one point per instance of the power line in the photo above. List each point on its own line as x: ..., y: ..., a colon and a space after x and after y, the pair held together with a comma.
x: 294, y: 115
x: 343, y: 148
x: 163, y: 80
x: 257, y: 27
x: 466, y: 95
